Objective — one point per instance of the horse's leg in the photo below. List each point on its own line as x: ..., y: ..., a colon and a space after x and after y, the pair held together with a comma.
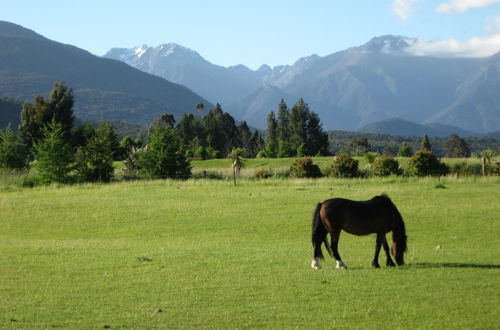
x: 318, y: 254
x: 387, y: 252
x: 378, y: 244
x: 335, y: 248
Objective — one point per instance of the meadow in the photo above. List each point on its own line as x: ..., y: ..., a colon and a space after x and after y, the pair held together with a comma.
x: 209, y: 254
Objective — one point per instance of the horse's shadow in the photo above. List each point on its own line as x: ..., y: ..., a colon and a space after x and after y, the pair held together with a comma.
x: 452, y: 265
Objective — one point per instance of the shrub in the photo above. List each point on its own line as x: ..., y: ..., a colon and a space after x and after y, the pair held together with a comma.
x: 263, y: 173
x: 305, y: 168
x: 425, y: 163
x: 344, y: 166
x: 385, y: 165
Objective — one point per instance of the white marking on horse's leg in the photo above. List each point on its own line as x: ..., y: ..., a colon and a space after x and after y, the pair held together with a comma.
x: 341, y: 265
x: 315, y: 264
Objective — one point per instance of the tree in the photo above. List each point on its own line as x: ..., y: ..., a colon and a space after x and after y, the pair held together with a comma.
x: 283, y: 126
x: 58, y: 107
x: 94, y: 161
x: 165, y: 121
x: 316, y: 138
x: 271, y: 135
x: 237, y: 161
x: 457, y: 147
x: 53, y: 154
x: 164, y: 157
x: 299, y: 116
x: 359, y: 145
x: 426, y: 145
x: 405, y: 150
x: 199, y: 109
x: 13, y: 153
x: 245, y: 136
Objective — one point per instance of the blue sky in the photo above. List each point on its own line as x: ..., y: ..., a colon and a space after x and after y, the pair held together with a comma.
x: 255, y: 32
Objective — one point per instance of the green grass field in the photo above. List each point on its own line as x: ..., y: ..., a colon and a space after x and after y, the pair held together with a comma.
x: 213, y: 255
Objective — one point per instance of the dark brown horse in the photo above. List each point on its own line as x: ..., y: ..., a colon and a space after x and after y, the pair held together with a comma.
x: 377, y: 215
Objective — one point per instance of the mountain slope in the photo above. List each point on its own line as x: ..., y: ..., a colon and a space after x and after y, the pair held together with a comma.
x: 397, y: 126
x: 103, y: 88
x: 348, y: 89
x: 10, y: 113
x: 184, y: 66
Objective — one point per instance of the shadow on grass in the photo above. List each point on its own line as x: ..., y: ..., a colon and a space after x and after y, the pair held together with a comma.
x: 452, y: 265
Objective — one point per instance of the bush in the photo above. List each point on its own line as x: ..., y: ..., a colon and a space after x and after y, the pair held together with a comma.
x: 263, y: 173
x: 305, y: 168
x: 385, y: 166
x: 425, y: 163
x: 344, y: 166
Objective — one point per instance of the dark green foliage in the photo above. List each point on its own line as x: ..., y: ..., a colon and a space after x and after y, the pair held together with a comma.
x: 94, y: 160
x: 384, y: 166
x: 164, y: 157
x: 426, y: 145
x: 457, y: 147
x: 425, y: 163
x: 359, y: 146
x: 389, y: 144
x: 53, y: 154
x: 305, y: 168
x: 13, y: 153
x: 297, y: 132
x: 58, y: 107
x: 344, y: 166
x: 405, y: 150
x: 271, y: 136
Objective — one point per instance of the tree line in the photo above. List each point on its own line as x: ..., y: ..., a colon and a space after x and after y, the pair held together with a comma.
x: 63, y: 151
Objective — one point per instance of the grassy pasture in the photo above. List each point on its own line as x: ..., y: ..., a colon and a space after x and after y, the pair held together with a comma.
x: 213, y: 255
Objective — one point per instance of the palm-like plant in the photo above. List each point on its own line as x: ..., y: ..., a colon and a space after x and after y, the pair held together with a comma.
x: 237, y: 161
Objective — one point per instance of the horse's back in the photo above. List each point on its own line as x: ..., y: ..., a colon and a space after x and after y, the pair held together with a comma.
x: 359, y: 217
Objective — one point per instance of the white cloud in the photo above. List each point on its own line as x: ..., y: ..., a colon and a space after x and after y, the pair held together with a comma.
x: 475, y: 47
x: 403, y: 8
x: 461, y: 6
x: 493, y: 25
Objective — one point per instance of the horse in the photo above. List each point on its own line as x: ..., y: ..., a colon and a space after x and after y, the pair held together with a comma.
x: 377, y: 215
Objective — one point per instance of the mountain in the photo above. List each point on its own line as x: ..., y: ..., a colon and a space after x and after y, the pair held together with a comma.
x: 10, y: 112
x: 185, y: 66
x: 379, y: 80
x: 397, y: 126
x: 103, y: 88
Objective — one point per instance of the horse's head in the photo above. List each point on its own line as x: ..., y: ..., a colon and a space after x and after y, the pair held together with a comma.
x: 398, y: 249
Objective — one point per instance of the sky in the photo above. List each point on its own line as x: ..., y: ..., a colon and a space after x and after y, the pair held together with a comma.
x: 256, y: 32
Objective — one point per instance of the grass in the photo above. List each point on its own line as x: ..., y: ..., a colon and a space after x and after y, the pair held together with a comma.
x: 213, y: 255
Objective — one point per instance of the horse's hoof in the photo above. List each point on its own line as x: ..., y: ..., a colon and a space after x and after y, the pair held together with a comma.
x: 374, y: 265
x: 341, y: 265
x: 315, y: 264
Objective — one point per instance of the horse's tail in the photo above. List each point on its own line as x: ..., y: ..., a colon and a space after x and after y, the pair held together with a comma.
x: 319, y: 232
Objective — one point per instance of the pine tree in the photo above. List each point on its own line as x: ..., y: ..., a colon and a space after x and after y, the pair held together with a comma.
x: 299, y: 116
x: 13, y: 153
x: 426, y: 145
x: 164, y: 156
x: 316, y: 139
x: 53, y: 154
x: 271, y: 135
x: 456, y: 147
